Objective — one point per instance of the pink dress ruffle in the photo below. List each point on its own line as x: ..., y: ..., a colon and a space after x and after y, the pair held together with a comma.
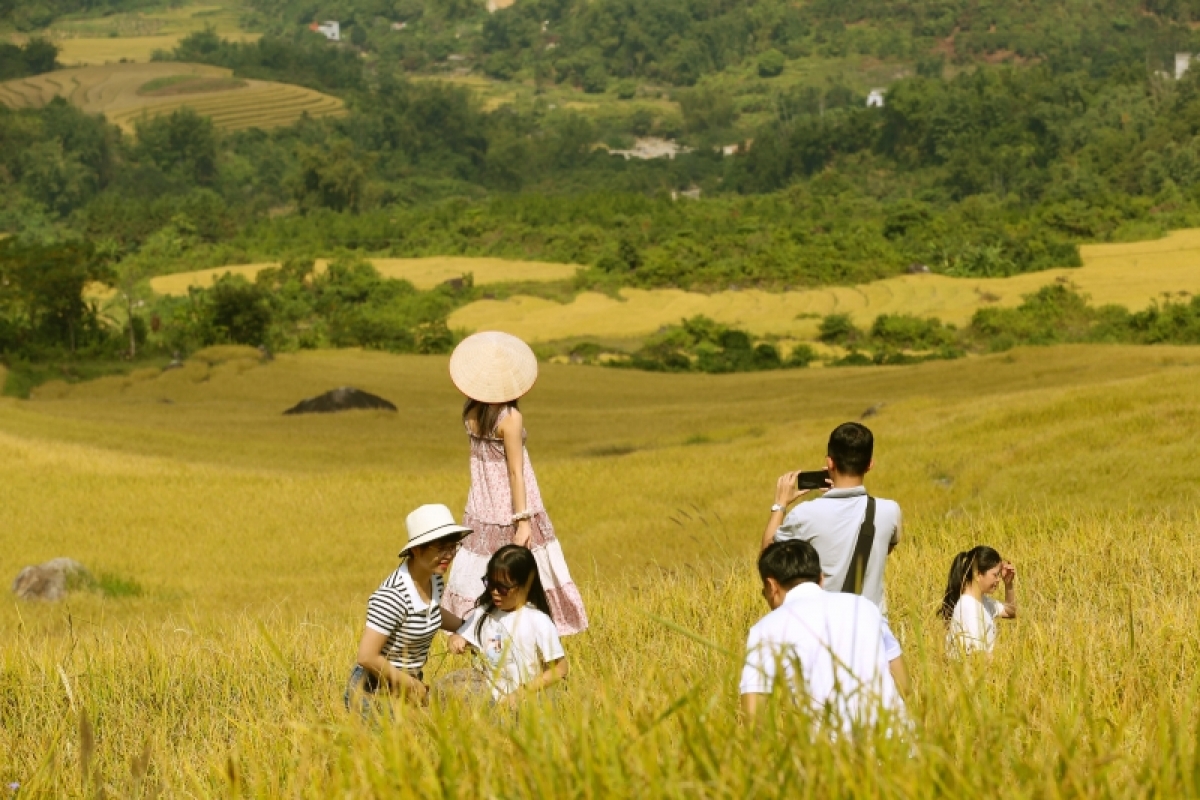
x: 489, y: 514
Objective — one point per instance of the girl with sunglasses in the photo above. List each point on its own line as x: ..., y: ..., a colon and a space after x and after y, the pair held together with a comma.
x: 512, y: 631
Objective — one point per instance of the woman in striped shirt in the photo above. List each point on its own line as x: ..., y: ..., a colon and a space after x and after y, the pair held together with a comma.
x: 405, y: 613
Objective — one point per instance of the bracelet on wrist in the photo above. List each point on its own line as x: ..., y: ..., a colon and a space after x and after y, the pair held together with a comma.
x: 521, y: 517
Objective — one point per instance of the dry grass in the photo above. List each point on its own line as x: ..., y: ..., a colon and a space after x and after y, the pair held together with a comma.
x: 424, y: 273
x: 1132, y: 275
x: 113, y: 90
x: 257, y: 538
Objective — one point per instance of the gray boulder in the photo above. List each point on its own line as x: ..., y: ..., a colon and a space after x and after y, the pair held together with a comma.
x: 51, y: 580
x: 346, y: 398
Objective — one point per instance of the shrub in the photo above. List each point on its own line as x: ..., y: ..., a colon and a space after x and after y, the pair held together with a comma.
x: 838, y: 329
x: 771, y: 64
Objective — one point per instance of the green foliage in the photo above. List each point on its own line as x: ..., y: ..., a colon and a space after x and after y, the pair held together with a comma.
x: 294, y: 307
x: 32, y: 15
x: 699, y: 344
x: 1058, y: 314
x: 771, y: 64
x: 838, y: 329
x: 182, y: 144
x: 309, y: 61
x: 36, y: 56
x: 42, y: 307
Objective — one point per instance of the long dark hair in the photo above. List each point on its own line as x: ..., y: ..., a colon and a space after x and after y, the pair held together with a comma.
x: 963, y: 569
x: 517, y: 563
x: 486, y: 415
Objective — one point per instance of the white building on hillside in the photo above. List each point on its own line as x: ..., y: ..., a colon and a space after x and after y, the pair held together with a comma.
x: 1183, y: 61
x: 875, y: 98
x: 331, y: 30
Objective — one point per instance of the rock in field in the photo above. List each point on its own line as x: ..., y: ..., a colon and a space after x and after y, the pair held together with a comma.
x: 50, y: 581
x: 344, y: 399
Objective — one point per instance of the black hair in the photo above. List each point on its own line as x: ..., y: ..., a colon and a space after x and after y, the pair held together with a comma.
x: 518, y: 564
x: 851, y: 447
x: 789, y: 563
x: 486, y: 415
x: 963, y: 569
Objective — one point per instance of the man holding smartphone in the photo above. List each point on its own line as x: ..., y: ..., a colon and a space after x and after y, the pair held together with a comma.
x: 852, y: 532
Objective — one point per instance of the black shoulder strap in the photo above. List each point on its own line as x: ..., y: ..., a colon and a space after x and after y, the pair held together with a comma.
x: 857, y: 572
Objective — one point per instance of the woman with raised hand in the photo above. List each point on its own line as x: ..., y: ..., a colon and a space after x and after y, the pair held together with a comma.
x: 405, y: 612
x: 969, y: 612
x: 504, y: 506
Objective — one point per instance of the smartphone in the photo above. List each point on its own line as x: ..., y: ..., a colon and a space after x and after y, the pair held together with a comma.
x: 817, y: 479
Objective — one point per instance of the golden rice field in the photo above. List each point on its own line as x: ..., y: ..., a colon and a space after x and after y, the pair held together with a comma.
x: 113, y: 90
x: 1131, y: 275
x: 134, y: 36
x: 424, y: 273
x: 256, y: 539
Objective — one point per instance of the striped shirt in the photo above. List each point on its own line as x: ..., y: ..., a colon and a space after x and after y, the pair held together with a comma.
x: 397, y: 611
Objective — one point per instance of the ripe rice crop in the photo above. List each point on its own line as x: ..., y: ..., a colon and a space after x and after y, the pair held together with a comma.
x: 424, y: 273
x: 115, y: 91
x: 256, y: 538
x: 1132, y: 275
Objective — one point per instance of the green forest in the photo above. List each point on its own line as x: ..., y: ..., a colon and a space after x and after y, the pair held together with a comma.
x: 1016, y: 132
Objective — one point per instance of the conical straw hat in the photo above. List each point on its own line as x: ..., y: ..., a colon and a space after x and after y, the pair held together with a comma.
x: 493, y: 367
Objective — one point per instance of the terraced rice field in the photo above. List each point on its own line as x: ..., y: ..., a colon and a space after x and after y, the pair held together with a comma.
x: 112, y: 90
x: 1132, y: 275
x: 424, y: 273
x: 135, y: 36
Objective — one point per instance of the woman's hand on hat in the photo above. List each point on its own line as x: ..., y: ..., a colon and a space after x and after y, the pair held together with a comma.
x: 524, y: 533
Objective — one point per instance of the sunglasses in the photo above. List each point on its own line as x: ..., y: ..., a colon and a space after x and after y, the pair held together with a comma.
x: 501, y: 589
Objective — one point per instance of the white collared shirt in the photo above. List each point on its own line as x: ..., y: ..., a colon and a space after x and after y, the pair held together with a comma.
x: 831, y: 523
x: 836, y: 641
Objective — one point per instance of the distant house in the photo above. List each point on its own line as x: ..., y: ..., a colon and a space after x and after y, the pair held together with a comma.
x: 496, y: 5
x: 399, y: 26
x: 330, y: 30
x: 1183, y: 62
x: 875, y: 98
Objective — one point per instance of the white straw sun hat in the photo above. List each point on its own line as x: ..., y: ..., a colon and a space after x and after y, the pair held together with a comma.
x: 430, y: 523
x: 493, y: 367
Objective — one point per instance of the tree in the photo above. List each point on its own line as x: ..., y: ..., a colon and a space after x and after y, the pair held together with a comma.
x: 45, y: 286
x: 771, y: 64
x: 182, y: 144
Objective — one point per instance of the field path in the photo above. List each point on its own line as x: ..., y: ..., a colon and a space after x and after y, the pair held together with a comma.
x: 1132, y: 275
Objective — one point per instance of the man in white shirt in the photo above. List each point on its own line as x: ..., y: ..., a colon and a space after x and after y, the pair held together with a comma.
x: 825, y: 647
x: 831, y: 523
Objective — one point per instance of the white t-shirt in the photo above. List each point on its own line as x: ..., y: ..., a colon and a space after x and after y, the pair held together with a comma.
x: 516, y: 645
x: 973, y: 625
x: 831, y: 523
x: 827, y: 648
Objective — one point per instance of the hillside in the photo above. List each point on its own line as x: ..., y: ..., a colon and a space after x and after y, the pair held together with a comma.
x: 125, y: 93
x: 1130, y: 275
x: 238, y: 548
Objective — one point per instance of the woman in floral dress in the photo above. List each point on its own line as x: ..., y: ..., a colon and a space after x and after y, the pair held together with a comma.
x: 504, y: 505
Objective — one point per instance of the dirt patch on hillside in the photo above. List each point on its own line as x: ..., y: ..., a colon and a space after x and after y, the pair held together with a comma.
x: 188, y: 84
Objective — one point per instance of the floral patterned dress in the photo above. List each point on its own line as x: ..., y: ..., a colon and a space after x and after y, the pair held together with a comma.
x: 489, y: 514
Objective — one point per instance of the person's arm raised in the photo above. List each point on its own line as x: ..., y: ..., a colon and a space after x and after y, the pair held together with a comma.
x: 511, y: 430
x: 1008, y: 574
x: 786, y: 493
